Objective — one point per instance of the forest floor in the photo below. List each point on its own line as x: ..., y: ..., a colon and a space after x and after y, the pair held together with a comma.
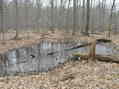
x: 71, y: 75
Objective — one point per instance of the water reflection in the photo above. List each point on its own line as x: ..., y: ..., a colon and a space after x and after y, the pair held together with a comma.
x: 43, y: 61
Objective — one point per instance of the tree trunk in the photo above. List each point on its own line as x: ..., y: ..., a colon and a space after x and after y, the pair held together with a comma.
x: 111, y: 15
x: 88, y: 19
x: 26, y: 16
x: 16, y: 18
x: 83, y: 17
x: 74, y: 17
x: 2, y: 18
x: 52, y: 16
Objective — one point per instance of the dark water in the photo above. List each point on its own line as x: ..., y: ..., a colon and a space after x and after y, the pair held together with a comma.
x: 36, y: 58
x: 107, y: 49
x: 101, y: 49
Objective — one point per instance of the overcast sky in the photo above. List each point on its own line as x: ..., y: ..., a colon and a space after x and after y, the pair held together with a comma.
x: 108, y: 2
x: 96, y: 1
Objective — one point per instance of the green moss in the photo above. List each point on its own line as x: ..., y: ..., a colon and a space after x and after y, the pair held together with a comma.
x: 78, y: 54
x: 115, y: 76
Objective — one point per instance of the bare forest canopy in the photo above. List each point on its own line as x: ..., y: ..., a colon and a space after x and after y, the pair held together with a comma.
x: 85, y: 16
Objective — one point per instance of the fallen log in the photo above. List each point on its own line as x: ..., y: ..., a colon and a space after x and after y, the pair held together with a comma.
x: 103, y: 58
x: 98, y: 41
x: 107, y: 58
x: 103, y: 41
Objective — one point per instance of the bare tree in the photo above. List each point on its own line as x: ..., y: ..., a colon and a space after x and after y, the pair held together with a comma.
x: 110, y: 17
x: 103, y: 17
x: 74, y: 17
x: 16, y: 18
x: 39, y: 5
x: 52, y: 15
x: 26, y: 5
x: 92, y: 19
x: 83, y: 17
x: 2, y: 18
x: 87, y: 18
x: 59, y: 13
x: 67, y: 15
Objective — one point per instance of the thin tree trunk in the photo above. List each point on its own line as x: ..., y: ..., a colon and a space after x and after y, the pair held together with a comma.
x: 67, y: 16
x: 103, y: 17
x: 16, y: 18
x: 2, y: 18
x: 38, y: 14
x: 26, y: 17
x: 83, y: 17
x: 74, y: 17
x: 111, y: 15
x: 52, y: 16
x: 88, y: 19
